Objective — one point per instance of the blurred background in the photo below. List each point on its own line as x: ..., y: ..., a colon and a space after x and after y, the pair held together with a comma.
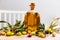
x: 48, y: 9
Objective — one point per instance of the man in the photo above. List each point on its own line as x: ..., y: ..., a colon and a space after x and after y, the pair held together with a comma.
x: 32, y: 19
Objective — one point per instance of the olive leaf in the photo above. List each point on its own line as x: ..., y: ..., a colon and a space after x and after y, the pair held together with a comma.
x: 17, y: 23
x: 2, y: 21
x: 8, y: 25
x: 54, y: 23
x: 21, y: 28
x: 42, y: 26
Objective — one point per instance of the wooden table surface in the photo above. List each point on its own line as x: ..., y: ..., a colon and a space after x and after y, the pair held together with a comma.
x: 24, y: 37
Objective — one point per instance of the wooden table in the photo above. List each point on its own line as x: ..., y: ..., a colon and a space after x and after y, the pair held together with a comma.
x: 24, y: 37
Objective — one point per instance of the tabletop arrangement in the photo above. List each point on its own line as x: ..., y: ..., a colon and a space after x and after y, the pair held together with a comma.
x: 31, y: 26
x: 19, y: 29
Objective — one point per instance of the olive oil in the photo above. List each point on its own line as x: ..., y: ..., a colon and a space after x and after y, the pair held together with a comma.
x: 32, y: 21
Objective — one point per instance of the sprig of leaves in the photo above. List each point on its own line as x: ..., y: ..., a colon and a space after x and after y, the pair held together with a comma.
x: 54, y: 23
x: 8, y: 25
x: 41, y: 27
x: 17, y: 23
x: 21, y: 28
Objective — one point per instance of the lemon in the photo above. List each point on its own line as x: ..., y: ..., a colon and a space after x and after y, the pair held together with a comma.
x: 29, y: 31
x: 3, y: 33
x: 8, y: 33
x: 33, y: 33
x: 18, y: 33
x: 24, y: 32
x: 12, y: 33
x: 49, y: 29
x: 40, y: 34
